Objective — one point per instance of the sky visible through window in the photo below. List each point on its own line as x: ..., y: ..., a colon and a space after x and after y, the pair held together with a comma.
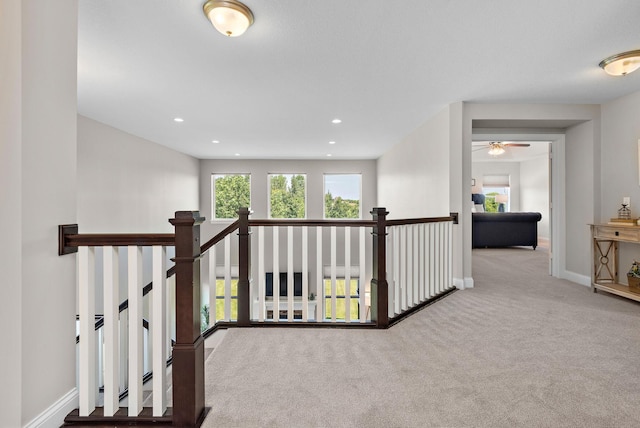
x: 347, y: 186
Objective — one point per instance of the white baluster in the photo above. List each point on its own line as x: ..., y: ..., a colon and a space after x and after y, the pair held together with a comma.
x: 409, y: 262
x: 415, y: 231
x: 213, y: 286
x: 159, y: 331
x: 111, y: 330
x: 333, y: 274
x: 227, y: 277
x: 396, y: 270
x: 262, y: 289
x: 362, y: 279
x: 347, y: 274
x: 305, y: 273
x: 450, y: 253
x: 421, y: 239
x: 276, y: 274
x: 87, y: 311
x: 319, y: 276
x: 290, y: 273
x: 135, y: 329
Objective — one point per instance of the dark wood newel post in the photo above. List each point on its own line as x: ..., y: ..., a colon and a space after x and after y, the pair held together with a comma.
x: 379, y: 285
x: 244, y: 305
x: 188, y: 351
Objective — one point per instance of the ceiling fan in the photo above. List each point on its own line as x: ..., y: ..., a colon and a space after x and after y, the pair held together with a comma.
x: 497, y: 148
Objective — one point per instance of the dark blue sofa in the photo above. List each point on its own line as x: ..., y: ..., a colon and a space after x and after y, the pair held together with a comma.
x: 505, y: 229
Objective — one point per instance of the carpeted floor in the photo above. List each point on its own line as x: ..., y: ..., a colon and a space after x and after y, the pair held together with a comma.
x: 521, y: 349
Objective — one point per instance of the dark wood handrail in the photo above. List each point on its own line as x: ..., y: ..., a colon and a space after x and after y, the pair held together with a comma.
x: 220, y: 236
x: 305, y: 222
x: 406, y: 221
x: 119, y: 239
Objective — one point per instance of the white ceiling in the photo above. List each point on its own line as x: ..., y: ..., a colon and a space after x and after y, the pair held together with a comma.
x: 383, y: 67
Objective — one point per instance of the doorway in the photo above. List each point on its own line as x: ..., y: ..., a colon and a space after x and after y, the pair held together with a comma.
x: 531, y: 179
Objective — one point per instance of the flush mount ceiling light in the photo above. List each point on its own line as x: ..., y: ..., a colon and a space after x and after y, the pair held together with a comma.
x: 621, y: 64
x: 230, y: 17
x: 496, y: 149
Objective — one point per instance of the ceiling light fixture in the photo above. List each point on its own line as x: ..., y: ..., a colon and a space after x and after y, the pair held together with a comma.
x: 215, y: 141
x: 496, y: 149
x: 230, y: 17
x: 621, y: 64
x: 336, y: 121
x: 332, y: 142
x: 178, y: 119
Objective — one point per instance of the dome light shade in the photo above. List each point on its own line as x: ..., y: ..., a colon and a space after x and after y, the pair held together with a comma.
x: 230, y: 17
x: 496, y: 149
x: 621, y: 64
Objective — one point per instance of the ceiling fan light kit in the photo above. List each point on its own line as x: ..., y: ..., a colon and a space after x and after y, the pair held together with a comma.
x: 229, y: 17
x: 496, y: 149
x: 621, y: 64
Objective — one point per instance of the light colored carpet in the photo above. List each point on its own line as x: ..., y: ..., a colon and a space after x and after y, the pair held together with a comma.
x: 521, y: 349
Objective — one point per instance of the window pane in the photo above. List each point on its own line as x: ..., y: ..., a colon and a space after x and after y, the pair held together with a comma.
x: 220, y: 299
x: 340, y: 299
x: 230, y: 192
x: 342, y: 194
x: 496, y: 199
x: 287, y: 196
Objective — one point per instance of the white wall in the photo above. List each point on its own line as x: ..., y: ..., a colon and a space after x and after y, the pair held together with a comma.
x: 11, y: 212
x: 534, y: 191
x: 620, y: 135
x: 38, y: 163
x: 127, y: 184
x: 413, y: 177
x: 422, y: 175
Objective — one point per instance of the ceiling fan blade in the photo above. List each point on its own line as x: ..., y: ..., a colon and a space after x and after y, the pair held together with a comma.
x: 516, y: 144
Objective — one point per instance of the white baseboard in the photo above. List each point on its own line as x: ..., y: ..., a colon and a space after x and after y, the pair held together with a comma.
x: 468, y: 282
x: 458, y: 283
x: 577, y: 278
x: 55, y: 414
x: 461, y: 284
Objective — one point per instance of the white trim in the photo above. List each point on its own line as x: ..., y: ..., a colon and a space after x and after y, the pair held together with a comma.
x: 576, y: 277
x: 55, y: 414
x: 468, y: 282
x: 458, y: 283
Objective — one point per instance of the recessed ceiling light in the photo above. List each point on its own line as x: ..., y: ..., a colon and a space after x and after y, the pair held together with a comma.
x: 336, y: 120
x: 329, y: 155
x: 178, y: 119
x: 237, y: 154
x: 215, y: 141
x: 332, y: 142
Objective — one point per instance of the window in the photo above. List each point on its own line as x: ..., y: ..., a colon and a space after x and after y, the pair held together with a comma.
x: 287, y: 196
x: 496, y: 191
x: 341, y: 296
x: 220, y: 291
x: 342, y: 194
x: 229, y: 192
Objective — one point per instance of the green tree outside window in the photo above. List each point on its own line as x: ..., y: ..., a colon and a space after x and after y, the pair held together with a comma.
x: 231, y: 192
x: 287, y: 195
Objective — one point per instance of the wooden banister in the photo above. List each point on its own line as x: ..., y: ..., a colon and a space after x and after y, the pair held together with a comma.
x: 188, y: 351
x: 379, y: 285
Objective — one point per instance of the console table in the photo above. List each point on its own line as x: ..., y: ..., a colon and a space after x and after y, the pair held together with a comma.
x: 604, y: 270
